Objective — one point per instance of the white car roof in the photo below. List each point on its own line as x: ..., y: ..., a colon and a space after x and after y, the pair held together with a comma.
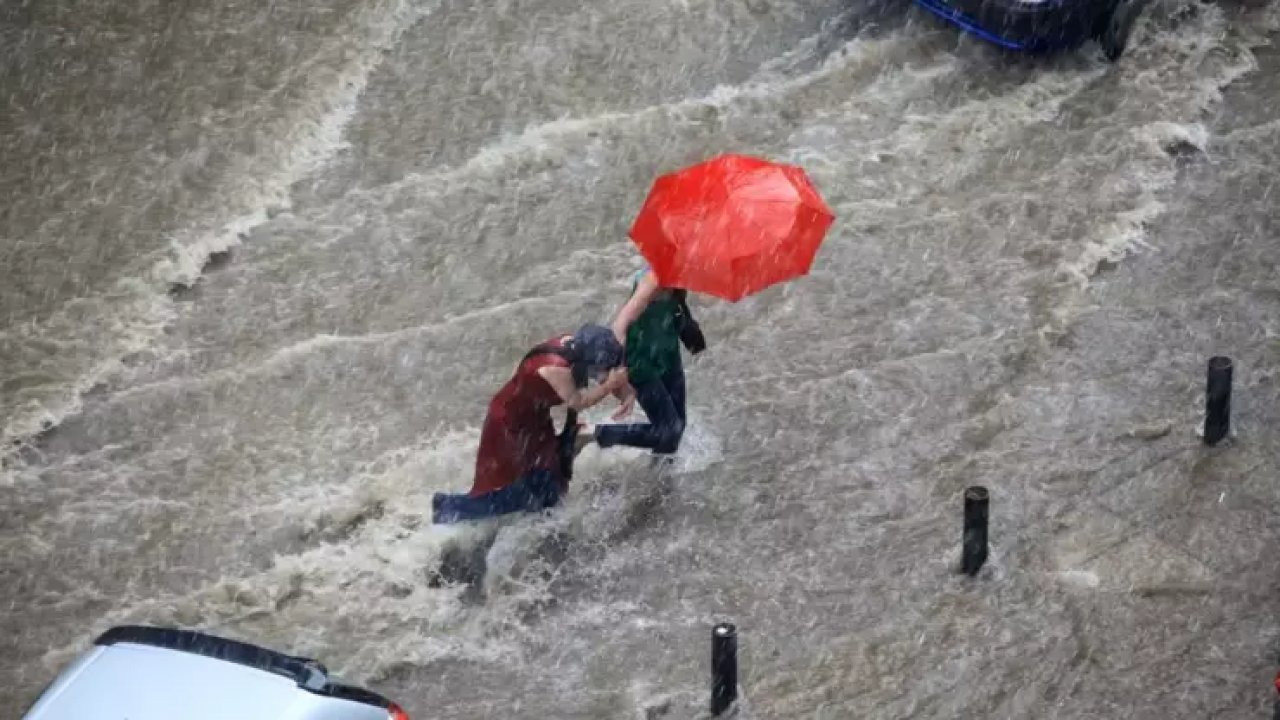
x: 134, y: 676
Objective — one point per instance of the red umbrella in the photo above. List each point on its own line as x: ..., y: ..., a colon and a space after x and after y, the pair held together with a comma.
x: 731, y: 226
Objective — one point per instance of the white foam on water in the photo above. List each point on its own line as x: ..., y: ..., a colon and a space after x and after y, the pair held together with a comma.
x: 91, y: 335
x: 546, y: 145
x: 1196, y: 50
x: 300, y: 352
x: 307, y: 140
x: 376, y: 573
x: 1078, y: 578
x: 373, y: 565
x: 1194, y: 43
x: 701, y: 446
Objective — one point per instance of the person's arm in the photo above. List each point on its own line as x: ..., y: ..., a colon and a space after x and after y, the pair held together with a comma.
x: 561, y: 380
x: 624, y: 385
x: 646, y: 289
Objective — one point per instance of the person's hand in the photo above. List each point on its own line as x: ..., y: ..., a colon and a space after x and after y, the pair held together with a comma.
x: 628, y: 404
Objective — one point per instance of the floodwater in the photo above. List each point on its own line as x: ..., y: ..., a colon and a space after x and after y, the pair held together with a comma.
x: 264, y: 262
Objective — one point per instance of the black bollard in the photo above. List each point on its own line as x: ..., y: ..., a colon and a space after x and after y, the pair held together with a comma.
x: 1217, y: 400
x: 724, y: 667
x: 973, y: 548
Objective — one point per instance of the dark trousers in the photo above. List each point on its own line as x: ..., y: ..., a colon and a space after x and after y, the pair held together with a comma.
x: 535, y: 490
x: 663, y: 401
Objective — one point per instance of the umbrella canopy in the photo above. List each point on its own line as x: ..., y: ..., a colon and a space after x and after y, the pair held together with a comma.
x: 731, y: 226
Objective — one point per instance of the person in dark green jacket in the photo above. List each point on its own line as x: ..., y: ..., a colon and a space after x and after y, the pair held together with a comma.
x: 647, y: 327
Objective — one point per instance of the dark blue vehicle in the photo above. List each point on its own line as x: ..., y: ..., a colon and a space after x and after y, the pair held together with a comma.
x: 1043, y: 25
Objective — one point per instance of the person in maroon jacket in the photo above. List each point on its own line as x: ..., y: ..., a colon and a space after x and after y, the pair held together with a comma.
x: 519, y: 464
